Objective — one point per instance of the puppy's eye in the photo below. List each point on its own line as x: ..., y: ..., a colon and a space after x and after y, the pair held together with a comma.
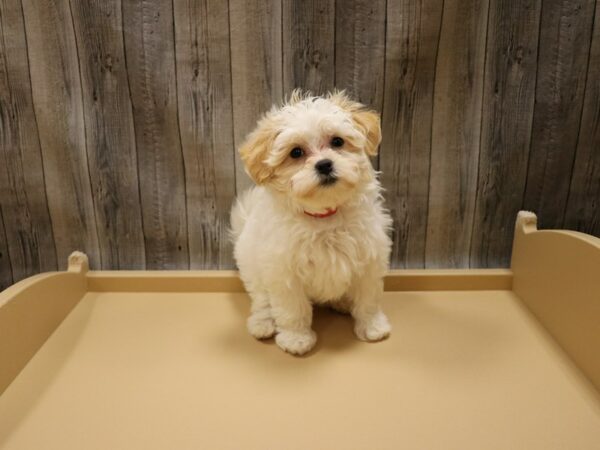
x: 297, y: 152
x: 337, y: 142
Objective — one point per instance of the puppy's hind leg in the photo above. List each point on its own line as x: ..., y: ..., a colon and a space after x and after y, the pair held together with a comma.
x: 260, y: 323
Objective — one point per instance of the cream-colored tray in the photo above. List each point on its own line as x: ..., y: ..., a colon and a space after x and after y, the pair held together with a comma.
x: 478, y: 359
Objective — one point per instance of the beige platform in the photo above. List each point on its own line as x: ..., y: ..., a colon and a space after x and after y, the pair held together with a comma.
x: 495, y: 359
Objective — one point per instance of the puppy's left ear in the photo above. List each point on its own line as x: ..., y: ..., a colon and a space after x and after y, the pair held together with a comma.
x: 370, y: 125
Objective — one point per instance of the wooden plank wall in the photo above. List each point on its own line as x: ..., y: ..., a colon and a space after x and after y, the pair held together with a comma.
x: 119, y: 120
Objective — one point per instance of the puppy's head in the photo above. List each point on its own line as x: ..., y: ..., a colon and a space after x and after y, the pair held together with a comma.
x: 314, y: 149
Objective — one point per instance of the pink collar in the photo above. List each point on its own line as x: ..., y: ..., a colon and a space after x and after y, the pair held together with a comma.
x: 328, y: 212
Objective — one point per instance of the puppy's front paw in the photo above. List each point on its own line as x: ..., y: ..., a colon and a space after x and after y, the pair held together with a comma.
x: 373, y: 328
x: 296, y: 342
x: 261, y: 327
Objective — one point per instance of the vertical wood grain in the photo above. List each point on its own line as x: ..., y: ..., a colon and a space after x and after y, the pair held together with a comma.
x: 563, y: 56
x: 583, y: 207
x: 205, y: 115
x: 360, y: 49
x: 119, y: 120
x: 6, y: 278
x: 256, y: 68
x: 29, y: 236
x: 455, y: 134
x: 109, y: 133
x: 413, y: 28
x: 150, y: 52
x: 508, y: 102
x: 56, y: 94
x: 308, y: 45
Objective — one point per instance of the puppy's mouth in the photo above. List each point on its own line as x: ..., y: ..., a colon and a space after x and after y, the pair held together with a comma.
x: 327, y: 180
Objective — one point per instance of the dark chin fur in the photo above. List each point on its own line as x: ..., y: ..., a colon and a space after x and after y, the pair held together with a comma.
x: 329, y: 180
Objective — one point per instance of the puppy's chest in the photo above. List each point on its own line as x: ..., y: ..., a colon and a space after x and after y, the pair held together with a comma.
x: 327, y: 261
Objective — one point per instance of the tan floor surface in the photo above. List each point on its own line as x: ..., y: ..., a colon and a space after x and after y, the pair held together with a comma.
x: 462, y: 370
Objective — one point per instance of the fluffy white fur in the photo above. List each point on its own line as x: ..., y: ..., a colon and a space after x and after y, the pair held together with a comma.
x: 288, y: 259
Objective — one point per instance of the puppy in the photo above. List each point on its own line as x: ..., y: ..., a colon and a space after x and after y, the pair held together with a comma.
x: 313, y: 230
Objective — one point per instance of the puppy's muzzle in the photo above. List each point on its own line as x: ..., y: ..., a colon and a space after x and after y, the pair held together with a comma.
x: 324, y: 168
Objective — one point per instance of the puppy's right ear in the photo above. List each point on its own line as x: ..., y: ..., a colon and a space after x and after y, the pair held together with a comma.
x: 255, y: 150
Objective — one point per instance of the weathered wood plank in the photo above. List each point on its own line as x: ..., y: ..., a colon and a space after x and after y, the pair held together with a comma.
x: 150, y: 52
x: 27, y: 224
x: 360, y: 51
x: 308, y: 45
x: 109, y: 133
x: 583, y: 206
x: 413, y: 28
x: 197, y: 78
x: 563, y: 55
x: 6, y: 278
x: 455, y: 133
x: 508, y: 102
x: 256, y: 68
x: 56, y: 94
x: 360, y: 48
x: 205, y: 115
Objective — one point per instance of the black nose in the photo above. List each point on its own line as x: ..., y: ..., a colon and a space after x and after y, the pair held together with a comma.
x: 324, y: 167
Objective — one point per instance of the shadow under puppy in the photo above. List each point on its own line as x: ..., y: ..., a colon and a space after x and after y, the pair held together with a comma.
x: 314, y: 229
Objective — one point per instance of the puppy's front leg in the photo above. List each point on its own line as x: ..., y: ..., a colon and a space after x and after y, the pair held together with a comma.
x: 292, y: 312
x: 260, y: 323
x: 371, y: 324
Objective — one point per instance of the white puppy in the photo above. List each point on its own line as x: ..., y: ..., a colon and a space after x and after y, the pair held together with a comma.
x: 314, y: 229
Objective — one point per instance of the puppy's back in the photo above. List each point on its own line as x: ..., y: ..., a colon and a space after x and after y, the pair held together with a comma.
x: 241, y: 211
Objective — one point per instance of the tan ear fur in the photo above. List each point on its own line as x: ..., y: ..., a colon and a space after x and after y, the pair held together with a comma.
x: 255, y: 149
x: 367, y: 120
